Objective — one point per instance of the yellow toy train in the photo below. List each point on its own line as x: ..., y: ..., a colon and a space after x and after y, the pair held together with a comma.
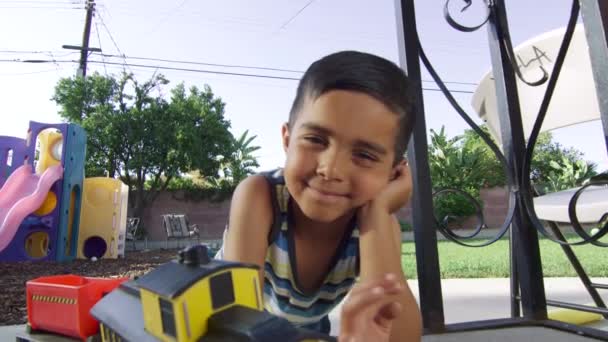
x: 194, y: 298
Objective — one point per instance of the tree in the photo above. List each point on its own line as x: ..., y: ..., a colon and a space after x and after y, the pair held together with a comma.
x: 466, y: 163
x: 494, y: 174
x: 90, y: 102
x: 134, y: 133
x: 453, y: 165
x: 554, y: 167
x: 242, y: 161
x: 568, y: 174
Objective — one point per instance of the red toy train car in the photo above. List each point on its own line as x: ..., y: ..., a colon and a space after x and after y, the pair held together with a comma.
x: 61, y: 304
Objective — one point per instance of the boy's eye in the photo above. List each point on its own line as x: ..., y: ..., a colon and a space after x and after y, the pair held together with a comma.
x: 315, y: 139
x: 365, y: 155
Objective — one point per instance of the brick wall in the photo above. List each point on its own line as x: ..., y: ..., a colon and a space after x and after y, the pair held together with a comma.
x: 212, y: 217
x: 495, y: 205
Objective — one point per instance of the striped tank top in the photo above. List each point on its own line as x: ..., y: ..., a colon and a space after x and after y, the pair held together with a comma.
x: 282, y: 296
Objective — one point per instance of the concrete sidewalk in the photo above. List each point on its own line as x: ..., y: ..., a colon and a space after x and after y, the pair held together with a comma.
x: 466, y: 300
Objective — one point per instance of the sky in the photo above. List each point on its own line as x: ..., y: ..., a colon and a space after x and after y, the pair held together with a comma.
x: 269, y: 38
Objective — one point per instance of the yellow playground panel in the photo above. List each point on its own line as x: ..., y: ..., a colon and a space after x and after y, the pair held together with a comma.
x: 103, y: 218
x: 49, y: 153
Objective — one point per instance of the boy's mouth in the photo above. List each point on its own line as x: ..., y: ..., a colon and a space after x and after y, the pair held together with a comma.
x: 327, y: 195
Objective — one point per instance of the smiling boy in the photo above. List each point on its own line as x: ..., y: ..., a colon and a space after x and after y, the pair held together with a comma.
x: 326, y: 218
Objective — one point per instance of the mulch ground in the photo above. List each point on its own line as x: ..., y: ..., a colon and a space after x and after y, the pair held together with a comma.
x: 13, y: 276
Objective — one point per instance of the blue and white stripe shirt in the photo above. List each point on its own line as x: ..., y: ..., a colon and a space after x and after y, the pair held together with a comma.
x: 282, y: 295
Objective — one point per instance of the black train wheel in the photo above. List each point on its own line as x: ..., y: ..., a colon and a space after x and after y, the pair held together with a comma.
x: 94, y: 338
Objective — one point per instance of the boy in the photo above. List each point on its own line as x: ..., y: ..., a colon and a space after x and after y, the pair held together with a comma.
x: 326, y: 218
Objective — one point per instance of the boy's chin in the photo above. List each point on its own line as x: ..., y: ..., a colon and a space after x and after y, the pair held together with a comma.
x: 325, y: 215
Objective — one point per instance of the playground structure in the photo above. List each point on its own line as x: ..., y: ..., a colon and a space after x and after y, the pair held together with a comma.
x: 104, y: 204
x: 45, y: 199
x: 40, y: 206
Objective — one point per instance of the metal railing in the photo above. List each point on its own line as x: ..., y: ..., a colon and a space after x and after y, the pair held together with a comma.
x: 521, y: 221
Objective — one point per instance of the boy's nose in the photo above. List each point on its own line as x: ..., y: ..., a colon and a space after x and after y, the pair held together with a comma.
x: 330, y: 166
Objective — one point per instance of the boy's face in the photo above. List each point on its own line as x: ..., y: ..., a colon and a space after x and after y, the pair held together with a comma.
x: 340, y: 153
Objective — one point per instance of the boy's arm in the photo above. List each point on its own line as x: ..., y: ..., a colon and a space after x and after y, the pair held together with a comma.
x: 249, y: 224
x: 380, y: 253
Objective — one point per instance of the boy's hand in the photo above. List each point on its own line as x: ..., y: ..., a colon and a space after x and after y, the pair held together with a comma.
x: 369, y: 310
x: 394, y: 195
x: 398, y: 191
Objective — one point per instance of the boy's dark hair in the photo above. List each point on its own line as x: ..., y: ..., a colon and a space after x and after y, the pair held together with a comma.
x: 366, y: 73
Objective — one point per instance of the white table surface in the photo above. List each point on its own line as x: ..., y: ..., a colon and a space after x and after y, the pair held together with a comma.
x: 591, y: 205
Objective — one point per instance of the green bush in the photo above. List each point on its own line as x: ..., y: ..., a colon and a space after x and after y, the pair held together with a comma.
x: 406, y: 226
x: 453, y: 207
x: 186, y: 189
x: 466, y: 163
x: 460, y: 166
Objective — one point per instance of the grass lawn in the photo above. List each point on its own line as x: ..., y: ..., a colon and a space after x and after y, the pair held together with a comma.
x: 493, y: 261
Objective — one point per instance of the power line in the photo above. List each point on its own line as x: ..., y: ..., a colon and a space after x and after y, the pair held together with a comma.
x: 42, y: 2
x: 203, y: 63
x: 103, y: 55
x: 197, y: 71
x: 35, y: 61
x: 162, y: 20
x: 243, y: 66
x: 112, y: 39
x: 239, y: 74
x: 99, y: 40
x: 48, y: 53
x: 24, y: 51
x: 54, y: 60
x: 296, y: 15
x: 18, y: 4
x: 41, y: 7
x: 28, y: 73
x: 201, y: 71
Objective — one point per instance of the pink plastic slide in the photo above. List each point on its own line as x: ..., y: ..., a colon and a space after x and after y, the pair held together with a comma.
x: 22, y: 194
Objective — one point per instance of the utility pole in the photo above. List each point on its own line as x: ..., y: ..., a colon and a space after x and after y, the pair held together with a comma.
x: 84, y: 49
x: 84, y: 53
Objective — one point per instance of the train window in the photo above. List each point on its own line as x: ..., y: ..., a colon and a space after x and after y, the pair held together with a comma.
x: 167, y: 316
x: 222, y: 290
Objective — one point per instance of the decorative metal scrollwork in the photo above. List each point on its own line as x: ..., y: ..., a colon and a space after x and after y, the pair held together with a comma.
x: 450, y: 19
x: 602, y: 222
x: 501, y: 158
x: 526, y: 187
x: 444, y: 222
x: 507, y: 45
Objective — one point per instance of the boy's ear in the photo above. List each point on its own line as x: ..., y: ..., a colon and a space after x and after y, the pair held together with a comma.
x: 285, y: 136
x: 397, y: 169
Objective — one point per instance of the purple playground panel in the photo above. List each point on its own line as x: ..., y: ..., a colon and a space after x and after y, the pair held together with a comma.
x: 17, y: 147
